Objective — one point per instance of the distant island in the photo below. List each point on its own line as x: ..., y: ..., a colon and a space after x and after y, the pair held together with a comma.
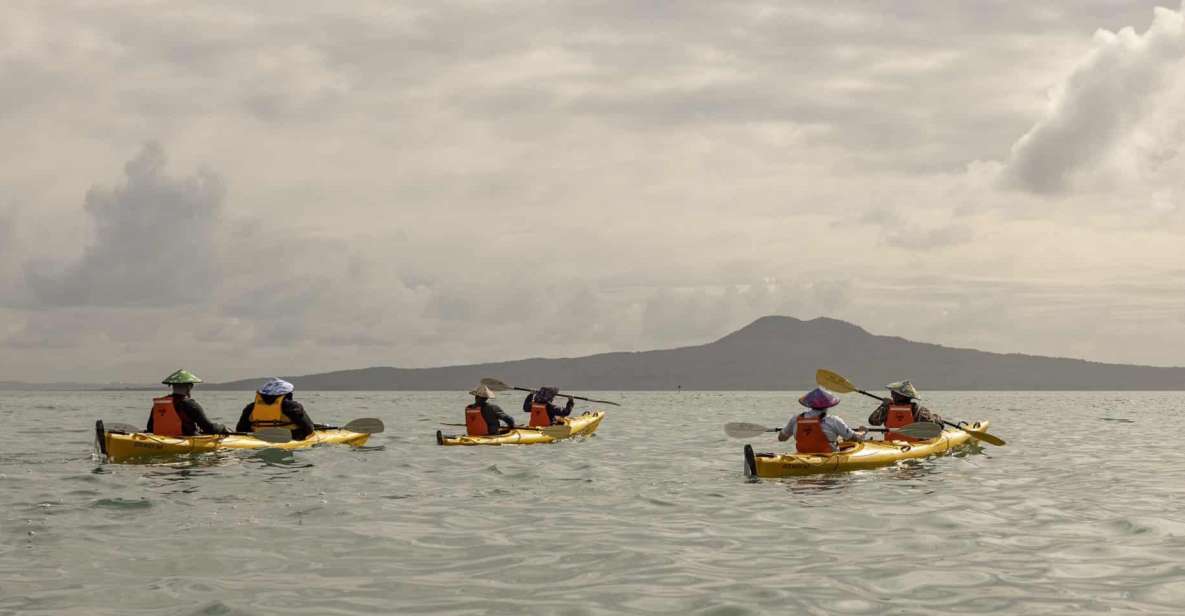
x: 772, y: 353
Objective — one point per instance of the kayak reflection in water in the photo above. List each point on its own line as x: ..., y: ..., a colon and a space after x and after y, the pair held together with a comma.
x: 543, y: 412
x: 901, y: 410
x: 275, y: 408
x: 815, y: 431
x: 482, y: 417
x: 177, y: 414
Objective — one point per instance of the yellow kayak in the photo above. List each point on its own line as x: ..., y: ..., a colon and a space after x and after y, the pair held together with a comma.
x: 119, y: 446
x: 581, y: 425
x: 854, y: 455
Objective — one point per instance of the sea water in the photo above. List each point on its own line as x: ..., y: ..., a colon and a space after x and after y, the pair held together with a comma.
x: 1081, y: 513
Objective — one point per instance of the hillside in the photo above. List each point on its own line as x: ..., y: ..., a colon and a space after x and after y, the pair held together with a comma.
x: 772, y: 353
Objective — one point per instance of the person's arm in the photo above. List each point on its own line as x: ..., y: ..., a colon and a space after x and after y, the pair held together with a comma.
x: 568, y: 408
x: 503, y: 417
x: 787, y: 430
x: 925, y: 414
x: 244, y: 424
x: 149, y: 428
x: 841, y: 428
x: 198, y: 415
x: 297, y: 415
x: 527, y: 402
x: 877, y: 418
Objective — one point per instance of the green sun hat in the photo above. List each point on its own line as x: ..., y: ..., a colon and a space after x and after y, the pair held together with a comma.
x: 905, y: 388
x: 181, y: 377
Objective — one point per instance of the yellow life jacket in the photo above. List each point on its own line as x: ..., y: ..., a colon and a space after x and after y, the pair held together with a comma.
x: 266, y: 415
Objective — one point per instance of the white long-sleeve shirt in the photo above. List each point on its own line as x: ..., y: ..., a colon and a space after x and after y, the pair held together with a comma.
x: 833, y: 427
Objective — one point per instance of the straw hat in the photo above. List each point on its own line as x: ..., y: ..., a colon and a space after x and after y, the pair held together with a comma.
x: 482, y: 391
x: 904, y: 388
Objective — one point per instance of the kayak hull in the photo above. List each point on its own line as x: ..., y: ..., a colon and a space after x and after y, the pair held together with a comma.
x: 854, y: 456
x: 120, y: 447
x: 582, y: 425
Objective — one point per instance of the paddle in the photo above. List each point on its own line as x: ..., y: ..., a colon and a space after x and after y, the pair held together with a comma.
x: 556, y: 431
x: 270, y: 435
x: 364, y: 425
x: 497, y: 385
x: 979, y: 434
x: 919, y: 430
x: 840, y: 385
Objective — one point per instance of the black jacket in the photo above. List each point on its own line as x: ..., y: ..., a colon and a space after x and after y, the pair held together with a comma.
x: 193, y: 418
x: 291, y: 409
x: 553, y: 410
x: 492, y: 414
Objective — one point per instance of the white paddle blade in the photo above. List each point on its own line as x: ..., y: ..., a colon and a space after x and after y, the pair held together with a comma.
x: 273, y: 435
x: 745, y: 430
x: 920, y: 429
x: 365, y: 425
x: 557, y: 432
x: 494, y: 384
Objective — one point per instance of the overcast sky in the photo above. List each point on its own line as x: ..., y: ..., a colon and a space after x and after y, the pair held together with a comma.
x: 288, y: 187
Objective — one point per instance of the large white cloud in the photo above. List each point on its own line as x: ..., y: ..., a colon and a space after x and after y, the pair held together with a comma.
x: 153, y: 242
x: 1100, y: 103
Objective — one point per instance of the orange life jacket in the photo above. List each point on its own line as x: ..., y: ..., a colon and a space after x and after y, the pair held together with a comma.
x: 899, y: 416
x: 809, y: 436
x: 265, y: 415
x: 539, y: 416
x: 166, y: 421
x: 475, y: 423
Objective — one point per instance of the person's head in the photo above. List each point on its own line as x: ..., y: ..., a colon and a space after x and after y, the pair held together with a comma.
x: 275, y: 388
x: 546, y: 394
x: 481, y: 393
x: 818, y: 399
x: 182, y: 382
x: 903, y: 392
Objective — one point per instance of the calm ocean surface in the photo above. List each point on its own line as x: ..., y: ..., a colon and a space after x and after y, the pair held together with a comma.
x: 1083, y: 512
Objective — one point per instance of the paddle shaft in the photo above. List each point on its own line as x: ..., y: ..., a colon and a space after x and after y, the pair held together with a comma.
x: 563, y: 395
x: 129, y: 429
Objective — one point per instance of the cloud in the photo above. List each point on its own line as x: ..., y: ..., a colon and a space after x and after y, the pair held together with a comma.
x: 898, y: 231
x: 437, y: 183
x: 1098, y: 104
x: 153, y: 245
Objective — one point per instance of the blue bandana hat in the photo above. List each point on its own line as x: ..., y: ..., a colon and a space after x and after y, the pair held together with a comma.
x: 819, y: 398
x: 276, y: 387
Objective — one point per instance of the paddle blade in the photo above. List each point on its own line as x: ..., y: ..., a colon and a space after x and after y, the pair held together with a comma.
x: 273, y: 435
x: 556, y: 432
x: 834, y: 382
x: 495, y: 384
x: 365, y: 425
x: 121, y: 427
x: 920, y: 429
x: 985, y: 437
x: 746, y: 430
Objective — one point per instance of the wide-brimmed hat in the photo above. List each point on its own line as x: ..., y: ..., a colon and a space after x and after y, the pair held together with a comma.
x: 904, y: 388
x: 819, y: 398
x: 482, y: 391
x: 181, y: 377
x: 276, y: 387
